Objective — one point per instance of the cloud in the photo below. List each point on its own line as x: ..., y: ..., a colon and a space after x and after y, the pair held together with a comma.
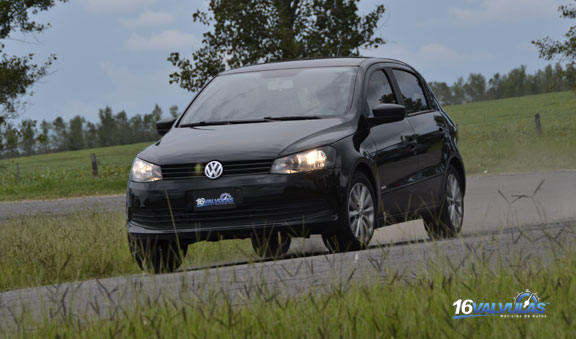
x: 168, y: 40
x: 116, y: 6
x: 149, y: 19
x: 437, y: 51
x: 506, y: 11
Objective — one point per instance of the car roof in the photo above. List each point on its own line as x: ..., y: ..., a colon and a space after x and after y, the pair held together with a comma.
x: 321, y: 62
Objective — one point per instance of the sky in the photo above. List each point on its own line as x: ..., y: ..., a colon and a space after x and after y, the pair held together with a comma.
x: 114, y: 52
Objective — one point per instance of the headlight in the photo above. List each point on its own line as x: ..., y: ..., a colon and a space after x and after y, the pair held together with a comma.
x: 143, y: 171
x: 311, y: 160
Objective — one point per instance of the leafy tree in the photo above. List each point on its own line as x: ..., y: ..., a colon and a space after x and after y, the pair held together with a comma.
x: 443, y: 92
x: 247, y: 32
x: 459, y: 93
x: 107, y: 130
x: 475, y: 87
x: 60, y: 135
x: 19, y: 73
x: 44, y: 136
x: 90, y: 135
x: 76, y: 133
x: 28, y: 134
x: 566, y: 50
x: 174, y: 112
x: 123, y: 128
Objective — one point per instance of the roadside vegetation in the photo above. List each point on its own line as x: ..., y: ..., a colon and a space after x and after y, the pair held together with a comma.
x: 40, y: 251
x: 497, y: 136
x: 388, y: 304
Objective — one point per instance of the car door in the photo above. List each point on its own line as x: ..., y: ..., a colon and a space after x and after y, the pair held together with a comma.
x: 393, y: 151
x: 430, y: 127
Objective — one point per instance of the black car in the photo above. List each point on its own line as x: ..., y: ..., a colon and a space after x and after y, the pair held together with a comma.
x: 336, y: 147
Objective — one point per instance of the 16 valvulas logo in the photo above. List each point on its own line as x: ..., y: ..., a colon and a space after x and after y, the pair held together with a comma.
x: 526, y: 304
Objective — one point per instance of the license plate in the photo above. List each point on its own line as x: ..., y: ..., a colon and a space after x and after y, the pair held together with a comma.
x: 214, y: 200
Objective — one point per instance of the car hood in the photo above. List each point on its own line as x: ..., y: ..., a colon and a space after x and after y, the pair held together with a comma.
x: 265, y: 140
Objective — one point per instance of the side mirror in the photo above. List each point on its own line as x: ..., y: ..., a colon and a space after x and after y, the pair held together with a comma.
x: 164, y: 125
x: 386, y: 113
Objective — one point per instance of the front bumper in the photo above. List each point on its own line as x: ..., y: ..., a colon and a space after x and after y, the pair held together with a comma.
x: 300, y: 204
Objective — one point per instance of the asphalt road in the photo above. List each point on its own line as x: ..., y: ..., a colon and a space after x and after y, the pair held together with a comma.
x: 486, y: 210
x: 498, y: 230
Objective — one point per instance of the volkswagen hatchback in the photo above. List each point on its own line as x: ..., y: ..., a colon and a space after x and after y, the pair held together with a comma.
x: 337, y: 147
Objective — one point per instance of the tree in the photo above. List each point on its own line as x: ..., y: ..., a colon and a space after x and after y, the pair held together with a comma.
x: 566, y: 50
x: 443, y: 92
x: 248, y: 32
x: 18, y: 74
x: 174, y: 111
x: 28, y: 136
x: 475, y: 87
x: 107, y: 130
x: 60, y: 135
x: 75, y: 133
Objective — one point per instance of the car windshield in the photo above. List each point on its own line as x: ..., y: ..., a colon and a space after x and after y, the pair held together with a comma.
x: 293, y: 93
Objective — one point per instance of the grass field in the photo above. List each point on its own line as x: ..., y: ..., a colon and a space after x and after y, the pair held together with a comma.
x: 495, y: 136
x: 397, y: 305
x: 50, y: 250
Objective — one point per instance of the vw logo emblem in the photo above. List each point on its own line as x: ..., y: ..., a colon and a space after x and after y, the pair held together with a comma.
x: 213, y: 170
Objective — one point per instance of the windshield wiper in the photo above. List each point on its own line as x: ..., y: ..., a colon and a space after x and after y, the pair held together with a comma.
x: 293, y: 117
x: 229, y: 122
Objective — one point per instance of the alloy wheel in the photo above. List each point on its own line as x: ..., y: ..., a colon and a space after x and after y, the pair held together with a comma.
x: 361, y: 213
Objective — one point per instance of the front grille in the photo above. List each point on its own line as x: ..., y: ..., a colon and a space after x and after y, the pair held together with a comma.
x: 186, y: 171
x: 243, y: 216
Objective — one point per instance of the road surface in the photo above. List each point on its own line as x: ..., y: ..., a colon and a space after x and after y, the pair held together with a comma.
x: 498, y: 230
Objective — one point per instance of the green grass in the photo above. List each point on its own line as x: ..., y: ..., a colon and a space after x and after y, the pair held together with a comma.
x: 412, y: 306
x: 67, y: 174
x: 40, y: 251
x: 500, y: 136
x: 495, y: 136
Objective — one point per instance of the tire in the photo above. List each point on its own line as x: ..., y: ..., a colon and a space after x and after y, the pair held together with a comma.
x: 446, y: 221
x: 272, y: 245
x: 158, y: 256
x: 356, y: 228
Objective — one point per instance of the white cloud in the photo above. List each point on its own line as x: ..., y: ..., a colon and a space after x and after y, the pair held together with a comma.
x: 116, y: 6
x: 168, y: 40
x: 506, y: 10
x: 149, y: 19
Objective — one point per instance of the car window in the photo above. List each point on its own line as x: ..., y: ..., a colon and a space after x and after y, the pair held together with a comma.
x: 321, y: 91
x: 379, y: 90
x: 412, y: 92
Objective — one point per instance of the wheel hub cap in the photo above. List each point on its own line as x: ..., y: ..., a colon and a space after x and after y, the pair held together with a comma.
x: 454, y: 201
x: 361, y: 212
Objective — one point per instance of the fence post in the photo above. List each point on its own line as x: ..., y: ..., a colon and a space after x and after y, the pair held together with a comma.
x: 538, y: 124
x: 94, y: 165
x: 18, y: 173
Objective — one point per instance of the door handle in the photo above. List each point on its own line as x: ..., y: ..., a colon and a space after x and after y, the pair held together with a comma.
x: 410, y: 140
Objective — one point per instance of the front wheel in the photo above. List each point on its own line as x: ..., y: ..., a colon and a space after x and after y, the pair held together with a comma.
x: 157, y: 256
x: 446, y: 222
x: 357, y: 228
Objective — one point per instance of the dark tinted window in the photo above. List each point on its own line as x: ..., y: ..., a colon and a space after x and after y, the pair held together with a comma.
x: 414, y: 98
x: 379, y: 90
